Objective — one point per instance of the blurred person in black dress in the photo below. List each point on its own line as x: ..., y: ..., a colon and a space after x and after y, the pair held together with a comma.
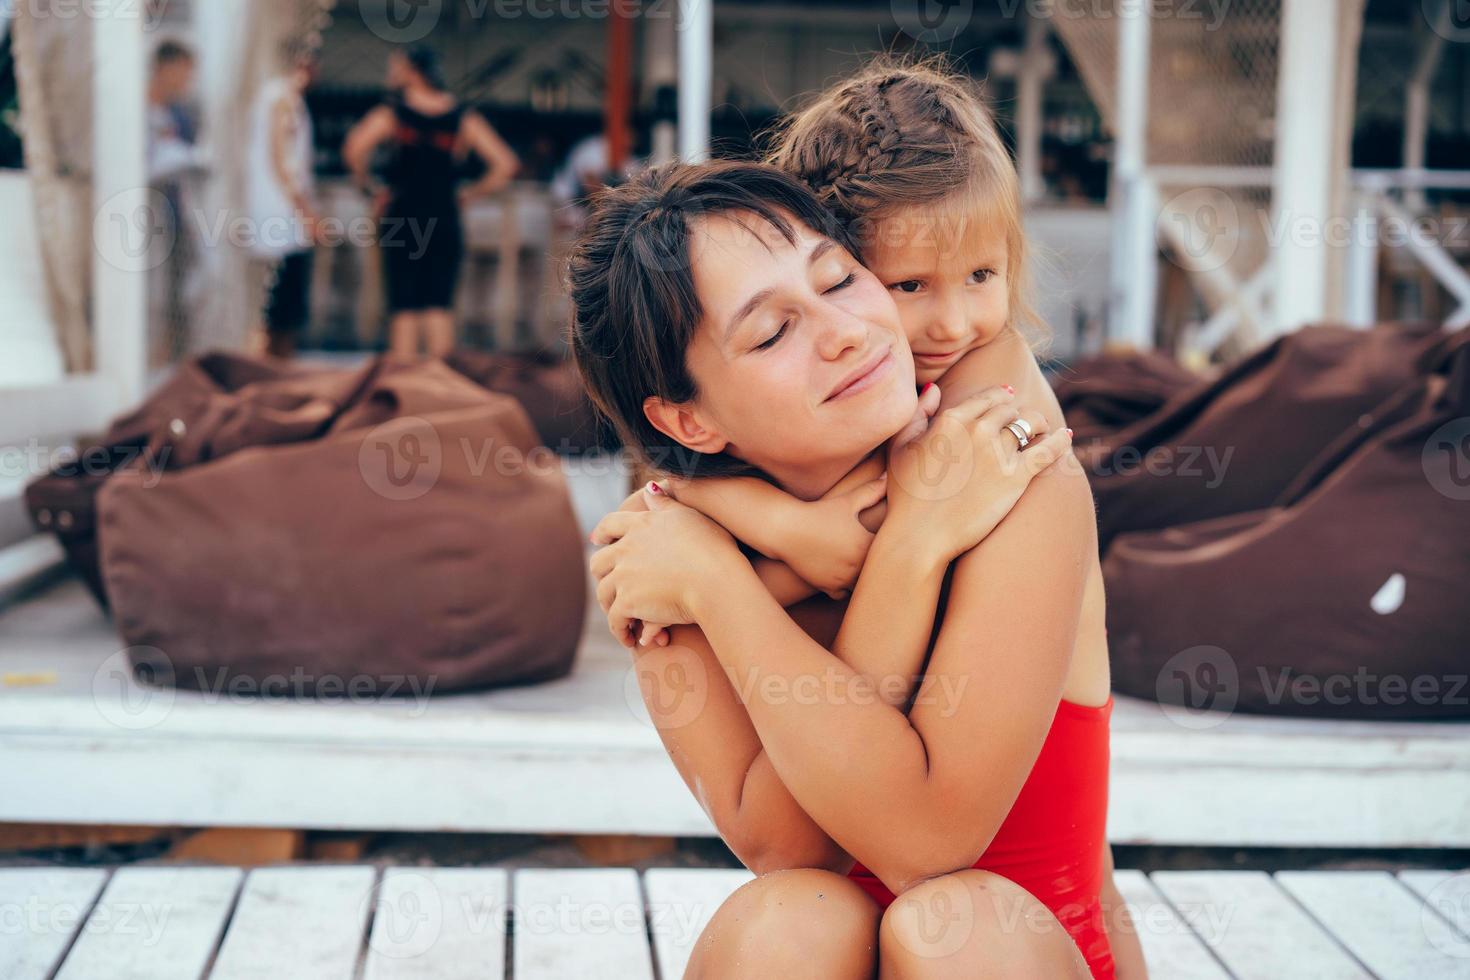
x: 418, y: 211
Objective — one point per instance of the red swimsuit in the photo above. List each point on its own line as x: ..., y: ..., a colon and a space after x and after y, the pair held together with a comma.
x: 1051, y: 843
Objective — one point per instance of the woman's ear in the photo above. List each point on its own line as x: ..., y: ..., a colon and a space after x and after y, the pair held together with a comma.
x: 683, y: 423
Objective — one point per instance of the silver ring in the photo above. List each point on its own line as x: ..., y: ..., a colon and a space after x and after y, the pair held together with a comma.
x: 1018, y: 429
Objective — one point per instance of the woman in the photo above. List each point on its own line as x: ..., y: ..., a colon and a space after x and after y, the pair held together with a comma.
x: 806, y: 759
x: 418, y: 211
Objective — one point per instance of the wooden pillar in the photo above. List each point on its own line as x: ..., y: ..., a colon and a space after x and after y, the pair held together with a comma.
x: 617, y: 99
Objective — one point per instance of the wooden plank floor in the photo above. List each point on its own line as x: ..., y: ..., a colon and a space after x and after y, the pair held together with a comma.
x: 339, y: 922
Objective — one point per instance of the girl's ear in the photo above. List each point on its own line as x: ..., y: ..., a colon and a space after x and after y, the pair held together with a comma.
x: 684, y: 424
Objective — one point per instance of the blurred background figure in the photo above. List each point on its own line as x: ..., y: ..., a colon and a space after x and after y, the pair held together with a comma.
x: 420, y: 233
x: 586, y: 169
x: 174, y: 160
x: 281, y: 196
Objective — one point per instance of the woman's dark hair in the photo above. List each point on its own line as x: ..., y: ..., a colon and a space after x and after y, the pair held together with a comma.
x: 425, y: 61
x: 635, y: 309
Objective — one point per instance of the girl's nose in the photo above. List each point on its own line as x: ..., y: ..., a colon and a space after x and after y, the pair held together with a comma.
x: 950, y: 321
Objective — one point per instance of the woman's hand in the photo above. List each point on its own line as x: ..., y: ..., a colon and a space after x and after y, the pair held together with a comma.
x: 953, y: 482
x: 656, y: 564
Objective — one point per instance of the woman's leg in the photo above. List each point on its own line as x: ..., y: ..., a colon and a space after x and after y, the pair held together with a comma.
x: 975, y: 925
x: 403, y: 332
x: 439, y: 330
x: 788, y: 924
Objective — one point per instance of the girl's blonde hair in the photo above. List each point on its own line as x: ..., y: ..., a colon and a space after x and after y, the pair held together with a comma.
x: 911, y: 135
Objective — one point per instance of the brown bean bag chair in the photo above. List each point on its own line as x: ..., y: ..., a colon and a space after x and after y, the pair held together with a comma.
x: 550, y: 390
x: 64, y: 500
x: 1100, y: 395
x: 1345, y: 599
x: 422, y: 542
x: 1234, y: 444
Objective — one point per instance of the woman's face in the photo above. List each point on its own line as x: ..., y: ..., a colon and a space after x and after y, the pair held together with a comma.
x: 800, y: 359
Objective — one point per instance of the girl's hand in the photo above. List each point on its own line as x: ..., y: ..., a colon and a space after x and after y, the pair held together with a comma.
x: 657, y: 564
x: 952, y: 483
x: 823, y: 541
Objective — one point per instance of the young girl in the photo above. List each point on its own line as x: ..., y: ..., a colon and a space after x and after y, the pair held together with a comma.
x: 908, y: 157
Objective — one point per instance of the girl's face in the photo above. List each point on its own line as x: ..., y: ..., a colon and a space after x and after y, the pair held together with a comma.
x: 800, y: 360
x: 948, y: 279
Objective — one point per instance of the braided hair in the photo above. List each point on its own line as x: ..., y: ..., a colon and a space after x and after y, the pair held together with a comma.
x: 907, y: 135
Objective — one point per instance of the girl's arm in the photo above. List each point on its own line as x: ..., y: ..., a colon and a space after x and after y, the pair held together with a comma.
x: 823, y: 542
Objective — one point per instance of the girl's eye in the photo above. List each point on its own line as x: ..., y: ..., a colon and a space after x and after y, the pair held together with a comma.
x: 771, y: 342
x: 982, y: 275
x: 907, y: 286
x: 844, y: 283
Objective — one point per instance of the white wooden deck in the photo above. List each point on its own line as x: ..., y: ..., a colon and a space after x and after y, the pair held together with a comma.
x: 158, y: 922
x: 82, y: 742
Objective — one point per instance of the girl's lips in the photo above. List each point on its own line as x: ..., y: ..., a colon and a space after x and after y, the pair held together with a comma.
x: 938, y: 358
x: 874, y: 374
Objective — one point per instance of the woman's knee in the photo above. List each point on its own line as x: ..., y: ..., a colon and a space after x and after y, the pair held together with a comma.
x: 976, y: 924
x: 790, y: 920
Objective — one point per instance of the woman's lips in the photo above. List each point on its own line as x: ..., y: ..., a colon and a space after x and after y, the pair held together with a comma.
x: 867, y: 379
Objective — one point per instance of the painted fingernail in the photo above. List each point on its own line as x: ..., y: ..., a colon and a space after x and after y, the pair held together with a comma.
x: 1069, y: 433
x: 1009, y: 389
x: 654, y: 487
x: 927, y: 386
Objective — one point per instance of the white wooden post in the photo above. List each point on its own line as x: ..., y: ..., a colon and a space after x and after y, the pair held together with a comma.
x: 1302, y: 175
x: 1361, y: 301
x: 1135, y: 255
x: 1029, y: 84
x: 660, y: 69
x: 124, y: 223
x: 1416, y: 101
x: 696, y: 63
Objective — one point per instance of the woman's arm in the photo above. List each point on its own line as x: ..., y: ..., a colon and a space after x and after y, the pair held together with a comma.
x: 916, y: 796
x: 357, y: 149
x: 501, y: 161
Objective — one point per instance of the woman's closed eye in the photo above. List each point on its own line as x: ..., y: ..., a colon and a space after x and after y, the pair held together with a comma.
x: 770, y: 341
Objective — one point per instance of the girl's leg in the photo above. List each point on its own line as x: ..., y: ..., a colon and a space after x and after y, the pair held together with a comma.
x: 975, y: 925
x: 403, y: 333
x: 439, y: 329
x: 788, y: 924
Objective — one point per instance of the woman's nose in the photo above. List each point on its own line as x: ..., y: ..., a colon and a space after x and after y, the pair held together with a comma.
x: 840, y: 332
